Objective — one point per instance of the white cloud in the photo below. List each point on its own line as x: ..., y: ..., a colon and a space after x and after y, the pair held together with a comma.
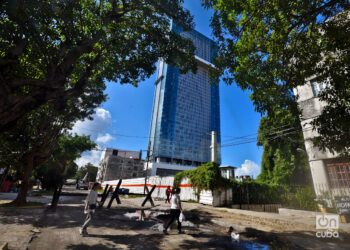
x: 96, y: 128
x: 92, y: 156
x: 103, y: 139
x: 102, y: 120
x: 103, y: 114
x: 248, y: 168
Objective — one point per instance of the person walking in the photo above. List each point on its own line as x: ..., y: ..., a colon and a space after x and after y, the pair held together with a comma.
x: 168, y: 192
x: 90, y: 206
x: 175, y: 211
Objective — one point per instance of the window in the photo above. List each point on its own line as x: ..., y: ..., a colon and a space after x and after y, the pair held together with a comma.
x: 339, y: 174
x: 318, y: 87
x: 115, y: 152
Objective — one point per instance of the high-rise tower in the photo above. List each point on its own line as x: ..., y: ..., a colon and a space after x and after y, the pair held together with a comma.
x: 186, y: 109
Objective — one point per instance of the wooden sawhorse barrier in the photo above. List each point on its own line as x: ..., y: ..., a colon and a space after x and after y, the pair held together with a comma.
x: 149, y: 196
x: 114, y: 196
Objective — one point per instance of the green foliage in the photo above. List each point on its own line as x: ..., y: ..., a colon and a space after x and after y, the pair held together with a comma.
x: 254, y: 192
x: 206, y: 177
x: 271, y: 47
x: 40, y: 193
x: 191, y: 201
x: 88, y: 168
x: 61, y: 51
x: 61, y: 165
x: 29, y: 205
x: 280, y: 134
x: 72, y: 170
x: 257, y: 192
x: 130, y: 196
x: 299, y: 198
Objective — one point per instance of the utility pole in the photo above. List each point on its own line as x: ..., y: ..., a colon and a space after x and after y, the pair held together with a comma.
x: 214, y: 147
x: 146, y: 177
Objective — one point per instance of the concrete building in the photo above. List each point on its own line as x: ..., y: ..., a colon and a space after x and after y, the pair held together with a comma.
x: 330, y: 174
x: 120, y: 164
x: 185, y: 110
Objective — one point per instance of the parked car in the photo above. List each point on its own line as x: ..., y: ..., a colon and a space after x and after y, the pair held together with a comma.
x: 82, y: 185
x: 123, y: 191
x: 71, y: 181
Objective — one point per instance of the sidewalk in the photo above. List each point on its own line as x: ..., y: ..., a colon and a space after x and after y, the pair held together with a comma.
x: 308, y: 221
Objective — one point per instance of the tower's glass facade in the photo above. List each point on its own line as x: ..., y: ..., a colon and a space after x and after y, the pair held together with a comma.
x: 185, y: 109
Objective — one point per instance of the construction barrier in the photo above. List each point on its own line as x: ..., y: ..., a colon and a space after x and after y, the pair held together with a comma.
x: 136, y: 186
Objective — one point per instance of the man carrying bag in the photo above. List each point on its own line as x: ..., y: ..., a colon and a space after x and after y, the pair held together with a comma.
x: 90, y: 206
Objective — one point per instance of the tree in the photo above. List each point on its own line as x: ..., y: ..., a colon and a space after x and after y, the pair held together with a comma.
x: 72, y: 170
x: 52, y: 51
x: 281, y: 162
x: 68, y: 149
x: 32, y: 142
x: 270, y: 47
x: 88, y: 168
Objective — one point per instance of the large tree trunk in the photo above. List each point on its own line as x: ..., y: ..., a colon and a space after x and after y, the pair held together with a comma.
x: 56, y: 196
x: 21, y: 198
x: 58, y: 188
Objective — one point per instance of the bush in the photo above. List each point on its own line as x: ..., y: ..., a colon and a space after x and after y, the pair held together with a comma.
x: 299, y: 198
x: 254, y: 192
x: 257, y: 192
x: 206, y: 177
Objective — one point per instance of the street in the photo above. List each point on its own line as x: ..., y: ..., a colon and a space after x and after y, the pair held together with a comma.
x: 130, y: 226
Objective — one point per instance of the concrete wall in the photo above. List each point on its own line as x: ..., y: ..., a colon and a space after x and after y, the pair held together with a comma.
x: 136, y: 186
x: 113, y: 167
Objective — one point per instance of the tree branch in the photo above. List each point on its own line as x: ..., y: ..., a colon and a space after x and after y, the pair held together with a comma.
x: 29, y: 82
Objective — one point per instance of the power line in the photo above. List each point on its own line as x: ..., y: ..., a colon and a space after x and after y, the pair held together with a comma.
x: 245, y: 141
x: 198, y: 136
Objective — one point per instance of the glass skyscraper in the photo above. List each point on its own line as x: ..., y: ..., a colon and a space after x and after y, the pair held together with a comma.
x: 186, y: 109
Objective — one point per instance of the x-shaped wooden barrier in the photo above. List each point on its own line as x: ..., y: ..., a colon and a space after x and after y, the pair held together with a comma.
x: 148, y: 197
x: 115, y: 195
x: 104, y: 196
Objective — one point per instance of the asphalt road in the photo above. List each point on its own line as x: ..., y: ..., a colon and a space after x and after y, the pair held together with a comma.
x: 71, y: 190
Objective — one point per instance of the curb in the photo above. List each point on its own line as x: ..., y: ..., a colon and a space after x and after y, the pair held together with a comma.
x: 73, y: 194
x: 29, y: 207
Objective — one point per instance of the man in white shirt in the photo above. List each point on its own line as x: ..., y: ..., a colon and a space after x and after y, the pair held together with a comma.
x: 90, y: 206
x: 175, y: 211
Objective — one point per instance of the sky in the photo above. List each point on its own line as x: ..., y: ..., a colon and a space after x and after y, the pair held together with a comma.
x: 123, y: 121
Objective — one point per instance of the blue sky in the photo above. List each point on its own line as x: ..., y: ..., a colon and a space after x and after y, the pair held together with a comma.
x: 127, y: 113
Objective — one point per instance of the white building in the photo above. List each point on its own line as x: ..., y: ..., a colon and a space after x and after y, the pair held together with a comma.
x: 227, y: 172
x: 329, y: 173
x: 120, y: 164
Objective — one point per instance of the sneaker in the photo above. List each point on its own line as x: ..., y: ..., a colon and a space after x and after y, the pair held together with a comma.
x: 83, y: 232
x: 181, y: 232
x: 165, y: 232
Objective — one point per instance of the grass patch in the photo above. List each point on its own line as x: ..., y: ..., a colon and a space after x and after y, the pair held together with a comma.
x: 224, y: 211
x: 132, y: 195
x: 191, y: 201
x: 40, y: 193
x: 31, y: 204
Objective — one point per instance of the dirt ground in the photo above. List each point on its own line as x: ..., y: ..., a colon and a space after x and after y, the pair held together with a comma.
x: 130, y: 226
